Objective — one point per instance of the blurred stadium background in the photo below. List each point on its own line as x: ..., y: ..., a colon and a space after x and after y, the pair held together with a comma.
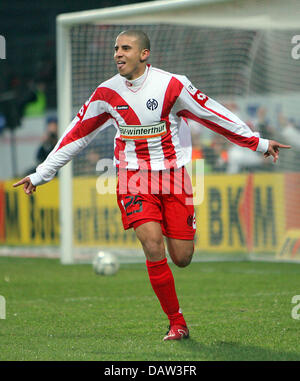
x: 242, y: 53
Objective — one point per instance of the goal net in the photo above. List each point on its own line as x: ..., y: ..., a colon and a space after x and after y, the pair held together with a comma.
x: 239, y: 53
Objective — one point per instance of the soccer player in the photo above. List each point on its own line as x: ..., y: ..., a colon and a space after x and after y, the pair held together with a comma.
x: 146, y: 106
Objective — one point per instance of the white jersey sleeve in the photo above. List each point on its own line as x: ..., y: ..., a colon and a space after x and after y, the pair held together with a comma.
x: 91, y: 118
x: 193, y: 104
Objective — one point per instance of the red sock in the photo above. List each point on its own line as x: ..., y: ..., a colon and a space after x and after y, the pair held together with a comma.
x: 162, y: 281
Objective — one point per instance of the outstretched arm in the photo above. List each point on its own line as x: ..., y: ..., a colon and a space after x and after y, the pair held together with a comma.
x: 92, y: 118
x: 195, y: 105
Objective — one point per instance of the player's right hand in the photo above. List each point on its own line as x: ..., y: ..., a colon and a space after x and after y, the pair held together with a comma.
x: 28, y: 187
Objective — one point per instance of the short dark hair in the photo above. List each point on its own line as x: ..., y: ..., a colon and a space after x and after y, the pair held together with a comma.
x: 141, y: 36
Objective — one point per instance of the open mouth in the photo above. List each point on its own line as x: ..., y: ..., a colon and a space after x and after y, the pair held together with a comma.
x: 120, y: 64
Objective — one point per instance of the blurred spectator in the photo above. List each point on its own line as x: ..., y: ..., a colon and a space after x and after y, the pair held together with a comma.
x: 290, y: 134
x: 14, y: 97
x: 213, y: 151
x: 48, y: 143
x: 289, y: 131
x: 262, y: 125
x: 197, y: 150
x: 46, y: 76
x: 102, y: 147
x: 49, y: 140
x: 87, y: 163
x: 219, y: 154
x: 240, y: 160
x: 201, y: 140
x: 38, y: 105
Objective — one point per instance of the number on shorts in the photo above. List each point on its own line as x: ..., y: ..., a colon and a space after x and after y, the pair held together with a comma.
x: 133, y: 200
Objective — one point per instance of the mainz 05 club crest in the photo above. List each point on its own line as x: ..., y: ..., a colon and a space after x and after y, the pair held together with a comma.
x: 152, y: 104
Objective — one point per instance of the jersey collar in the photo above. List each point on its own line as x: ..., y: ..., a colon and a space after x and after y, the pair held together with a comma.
x: 136, y: 84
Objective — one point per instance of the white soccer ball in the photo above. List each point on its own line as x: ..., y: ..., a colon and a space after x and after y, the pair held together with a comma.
x: 105, y: 263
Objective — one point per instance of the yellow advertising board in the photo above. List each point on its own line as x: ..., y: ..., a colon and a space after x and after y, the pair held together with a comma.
x: 31, y: 220
x: 97, y: 218
x: 239, y: 213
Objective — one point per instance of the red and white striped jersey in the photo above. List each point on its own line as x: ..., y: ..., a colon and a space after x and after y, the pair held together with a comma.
x: 146, y: 113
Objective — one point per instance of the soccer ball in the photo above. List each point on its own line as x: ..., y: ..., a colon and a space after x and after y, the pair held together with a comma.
x: 105, y: 263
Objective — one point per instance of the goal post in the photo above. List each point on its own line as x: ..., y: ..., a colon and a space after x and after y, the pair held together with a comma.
x: 64, y: 111
x: 239, y: 53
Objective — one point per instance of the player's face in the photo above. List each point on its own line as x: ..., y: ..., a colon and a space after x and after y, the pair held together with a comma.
x: 129, y: 57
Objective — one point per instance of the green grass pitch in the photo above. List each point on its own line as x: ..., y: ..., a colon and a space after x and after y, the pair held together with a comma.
x: 235, y: 311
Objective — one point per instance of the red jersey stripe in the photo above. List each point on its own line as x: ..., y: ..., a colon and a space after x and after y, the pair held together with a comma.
x: 83, y: 128
x: 141, y: 147
x: 218, y: 114
x: 172, y: 93
x: 243, y: 141
x: 120, y: 152
x: 202, y: 102
x: 114, y: 99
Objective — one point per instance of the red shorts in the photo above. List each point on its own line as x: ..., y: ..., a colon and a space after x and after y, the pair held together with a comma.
x: 162, y: 196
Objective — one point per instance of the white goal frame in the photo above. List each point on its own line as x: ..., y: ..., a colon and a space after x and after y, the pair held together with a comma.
x: 260, y: 15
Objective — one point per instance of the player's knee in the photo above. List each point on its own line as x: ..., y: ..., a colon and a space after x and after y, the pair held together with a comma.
x: 154, y: 248
x: 183, y: 261
x: 182, y: 257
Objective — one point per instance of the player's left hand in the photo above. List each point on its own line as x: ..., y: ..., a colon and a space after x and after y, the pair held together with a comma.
x: 29, y: 188
x: 273, y: 149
